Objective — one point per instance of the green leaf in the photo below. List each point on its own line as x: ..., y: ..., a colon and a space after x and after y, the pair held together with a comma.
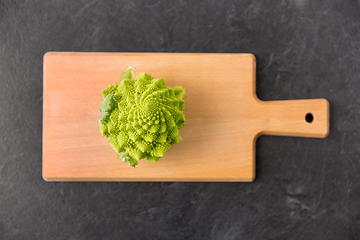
x: 128, y: 74
x: 122, y: 155
x: 132, y: 161
x: 107, y: 106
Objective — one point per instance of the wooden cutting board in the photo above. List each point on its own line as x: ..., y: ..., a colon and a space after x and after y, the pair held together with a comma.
x: 224, y: 117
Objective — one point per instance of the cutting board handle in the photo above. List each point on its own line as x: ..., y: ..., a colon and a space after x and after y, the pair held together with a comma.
x: 299, y: 118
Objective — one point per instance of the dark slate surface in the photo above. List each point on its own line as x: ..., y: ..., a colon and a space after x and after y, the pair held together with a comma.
x: 305, y: 188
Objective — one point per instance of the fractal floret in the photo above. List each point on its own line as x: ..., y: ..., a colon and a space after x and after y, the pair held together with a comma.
x: 142, y: 116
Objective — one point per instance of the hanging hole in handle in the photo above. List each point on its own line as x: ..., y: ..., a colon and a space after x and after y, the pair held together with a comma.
x: 309, y: 117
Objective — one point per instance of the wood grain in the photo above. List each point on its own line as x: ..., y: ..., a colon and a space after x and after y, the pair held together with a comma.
x: 223, y: 117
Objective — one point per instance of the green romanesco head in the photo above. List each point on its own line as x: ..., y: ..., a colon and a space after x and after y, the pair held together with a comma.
x: 142, y: 116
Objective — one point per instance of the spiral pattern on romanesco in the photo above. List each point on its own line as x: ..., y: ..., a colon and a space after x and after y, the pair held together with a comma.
x: 142, y: 116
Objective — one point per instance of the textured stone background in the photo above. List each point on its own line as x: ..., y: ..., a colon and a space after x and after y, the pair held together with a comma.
x: 305, y: 188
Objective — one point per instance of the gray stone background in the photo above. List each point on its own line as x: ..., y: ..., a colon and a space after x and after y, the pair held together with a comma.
x: 305, y: 188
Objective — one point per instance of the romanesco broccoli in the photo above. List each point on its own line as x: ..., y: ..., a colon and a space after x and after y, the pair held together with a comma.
x: 142, y: 116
